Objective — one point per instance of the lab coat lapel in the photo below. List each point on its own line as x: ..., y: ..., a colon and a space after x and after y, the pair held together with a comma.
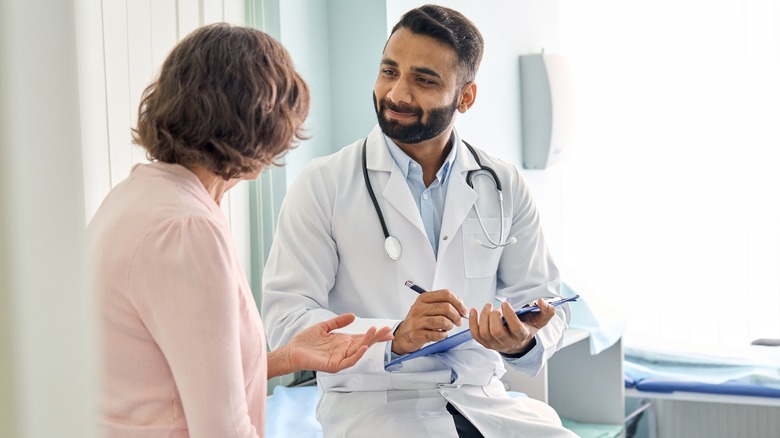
x: 460, y: 197
x: 396, y: 191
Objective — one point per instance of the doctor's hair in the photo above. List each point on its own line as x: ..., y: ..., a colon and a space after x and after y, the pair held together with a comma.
x: 451, y: 28
x: 227, y: 98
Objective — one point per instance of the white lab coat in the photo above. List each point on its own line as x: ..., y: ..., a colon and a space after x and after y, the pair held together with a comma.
x: 328, y: 258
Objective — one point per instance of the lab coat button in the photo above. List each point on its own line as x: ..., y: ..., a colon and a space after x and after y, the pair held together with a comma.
x: 445, y: 394
x: 444, y: 238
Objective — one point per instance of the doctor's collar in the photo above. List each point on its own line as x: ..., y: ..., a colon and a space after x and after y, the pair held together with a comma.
x: 404, y: 161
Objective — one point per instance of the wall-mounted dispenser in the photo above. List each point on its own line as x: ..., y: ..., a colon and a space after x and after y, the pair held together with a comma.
x: 547, y: 109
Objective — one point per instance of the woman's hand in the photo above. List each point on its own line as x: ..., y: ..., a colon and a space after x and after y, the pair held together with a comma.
x: 318, y: 349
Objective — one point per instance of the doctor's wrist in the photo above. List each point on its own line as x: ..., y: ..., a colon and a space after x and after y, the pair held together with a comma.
x: 522, y: 352
x: 402, y: 343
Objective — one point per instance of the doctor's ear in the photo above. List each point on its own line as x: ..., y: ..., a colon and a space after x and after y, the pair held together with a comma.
x: 468, y: 94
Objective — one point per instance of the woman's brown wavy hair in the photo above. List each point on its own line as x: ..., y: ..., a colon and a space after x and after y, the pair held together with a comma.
x: 228, y: 98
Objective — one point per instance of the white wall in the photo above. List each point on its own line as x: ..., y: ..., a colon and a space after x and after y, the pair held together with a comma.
x: 47, y: 336
x: 304, y: 33
x: 356, y: 35
x: 336, y: 47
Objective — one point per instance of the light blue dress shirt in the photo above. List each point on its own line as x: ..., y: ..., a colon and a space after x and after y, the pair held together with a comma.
x: 430, y: 200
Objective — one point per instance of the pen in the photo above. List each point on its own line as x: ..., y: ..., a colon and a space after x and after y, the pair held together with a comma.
x: 410, y: 284
x: 414, y: 287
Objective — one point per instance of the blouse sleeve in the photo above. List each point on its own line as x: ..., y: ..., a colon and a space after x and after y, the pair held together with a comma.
x: 187, y: 295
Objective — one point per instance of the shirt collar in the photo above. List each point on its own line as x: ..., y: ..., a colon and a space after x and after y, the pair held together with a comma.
x: 404, y: 162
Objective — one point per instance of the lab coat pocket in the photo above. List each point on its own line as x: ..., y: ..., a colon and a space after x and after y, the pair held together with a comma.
x: 478, y: 260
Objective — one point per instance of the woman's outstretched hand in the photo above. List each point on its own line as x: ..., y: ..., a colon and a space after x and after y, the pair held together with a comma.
x: 318, y: 348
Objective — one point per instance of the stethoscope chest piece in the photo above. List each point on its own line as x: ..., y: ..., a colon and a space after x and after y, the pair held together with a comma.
x: 393, y: 248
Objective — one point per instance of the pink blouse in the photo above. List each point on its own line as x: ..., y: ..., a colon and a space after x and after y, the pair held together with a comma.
x: 183, y: 347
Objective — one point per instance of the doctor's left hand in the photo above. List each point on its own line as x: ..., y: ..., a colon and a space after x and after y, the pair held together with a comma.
x: 517, y: 335
x: 318, y: 349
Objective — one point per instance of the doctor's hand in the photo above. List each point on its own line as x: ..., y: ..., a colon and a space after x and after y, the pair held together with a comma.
x: 318, y: 348
x: 517, y: 336
x: 430, y: 317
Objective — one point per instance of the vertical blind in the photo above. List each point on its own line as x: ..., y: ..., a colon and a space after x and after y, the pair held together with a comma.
x: 673, y: 198
x: 121, y: 45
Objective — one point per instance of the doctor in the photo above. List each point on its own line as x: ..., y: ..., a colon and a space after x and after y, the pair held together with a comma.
x: 336, y: 251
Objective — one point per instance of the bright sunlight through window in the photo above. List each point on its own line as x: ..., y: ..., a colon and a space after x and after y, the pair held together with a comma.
x: 673, y: 199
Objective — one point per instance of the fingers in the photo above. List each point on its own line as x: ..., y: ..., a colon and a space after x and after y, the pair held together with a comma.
x: 372, y: 336
x: 444, y: 315
x: 474, y: 324
x: 547, y: 310
x: 542, y: 317
x: 366, y: 339
x: 338, y: 322
x: 449, y: 304
x: 410, y: 337
x: 351, y: 359
x: 500, y: 329
x: 383, y: 335
x: 480, y: 325
x: 369, y: 338
x: 491, y: 324
x: 425, y: 336
x: 513, y: 323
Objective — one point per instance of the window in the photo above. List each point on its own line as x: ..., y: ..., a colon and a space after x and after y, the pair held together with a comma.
x: 673, y: 199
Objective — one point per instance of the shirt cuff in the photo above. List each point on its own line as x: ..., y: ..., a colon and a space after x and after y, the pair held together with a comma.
x: 531, y: 346
x: 530, y: 357
x: 389, y: 355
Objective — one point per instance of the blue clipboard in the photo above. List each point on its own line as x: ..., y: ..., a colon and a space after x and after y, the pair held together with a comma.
x: 465, y: 335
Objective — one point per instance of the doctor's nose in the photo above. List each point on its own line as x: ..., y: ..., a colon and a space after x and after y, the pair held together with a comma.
x: 399, y: 92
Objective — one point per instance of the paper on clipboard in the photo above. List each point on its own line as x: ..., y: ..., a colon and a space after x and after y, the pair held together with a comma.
x: 464, y: 336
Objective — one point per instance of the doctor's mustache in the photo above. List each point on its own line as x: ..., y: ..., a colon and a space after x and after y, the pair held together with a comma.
x: 399, y: 108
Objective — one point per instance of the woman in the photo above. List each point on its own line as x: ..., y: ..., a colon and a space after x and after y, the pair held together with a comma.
x: 183, y: 346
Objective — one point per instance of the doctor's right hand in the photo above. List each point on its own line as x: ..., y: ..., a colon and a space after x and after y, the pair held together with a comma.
x: 429, y: 319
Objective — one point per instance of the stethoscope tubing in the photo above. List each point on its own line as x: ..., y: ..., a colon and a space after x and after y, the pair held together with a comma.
x: 371, y: 193
x: 393, y: 245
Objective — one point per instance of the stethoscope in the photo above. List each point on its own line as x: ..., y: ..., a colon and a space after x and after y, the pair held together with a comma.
x: 393, y: 245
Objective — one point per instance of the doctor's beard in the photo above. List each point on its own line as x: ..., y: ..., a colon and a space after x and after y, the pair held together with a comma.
x: 438, y: 120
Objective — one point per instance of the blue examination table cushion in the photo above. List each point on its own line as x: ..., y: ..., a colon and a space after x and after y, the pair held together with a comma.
x: 290, y: 412
x: 726, y: 388
x: 753, y: 371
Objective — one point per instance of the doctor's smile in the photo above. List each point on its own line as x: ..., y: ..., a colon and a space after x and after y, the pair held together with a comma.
x: 402, y: 115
